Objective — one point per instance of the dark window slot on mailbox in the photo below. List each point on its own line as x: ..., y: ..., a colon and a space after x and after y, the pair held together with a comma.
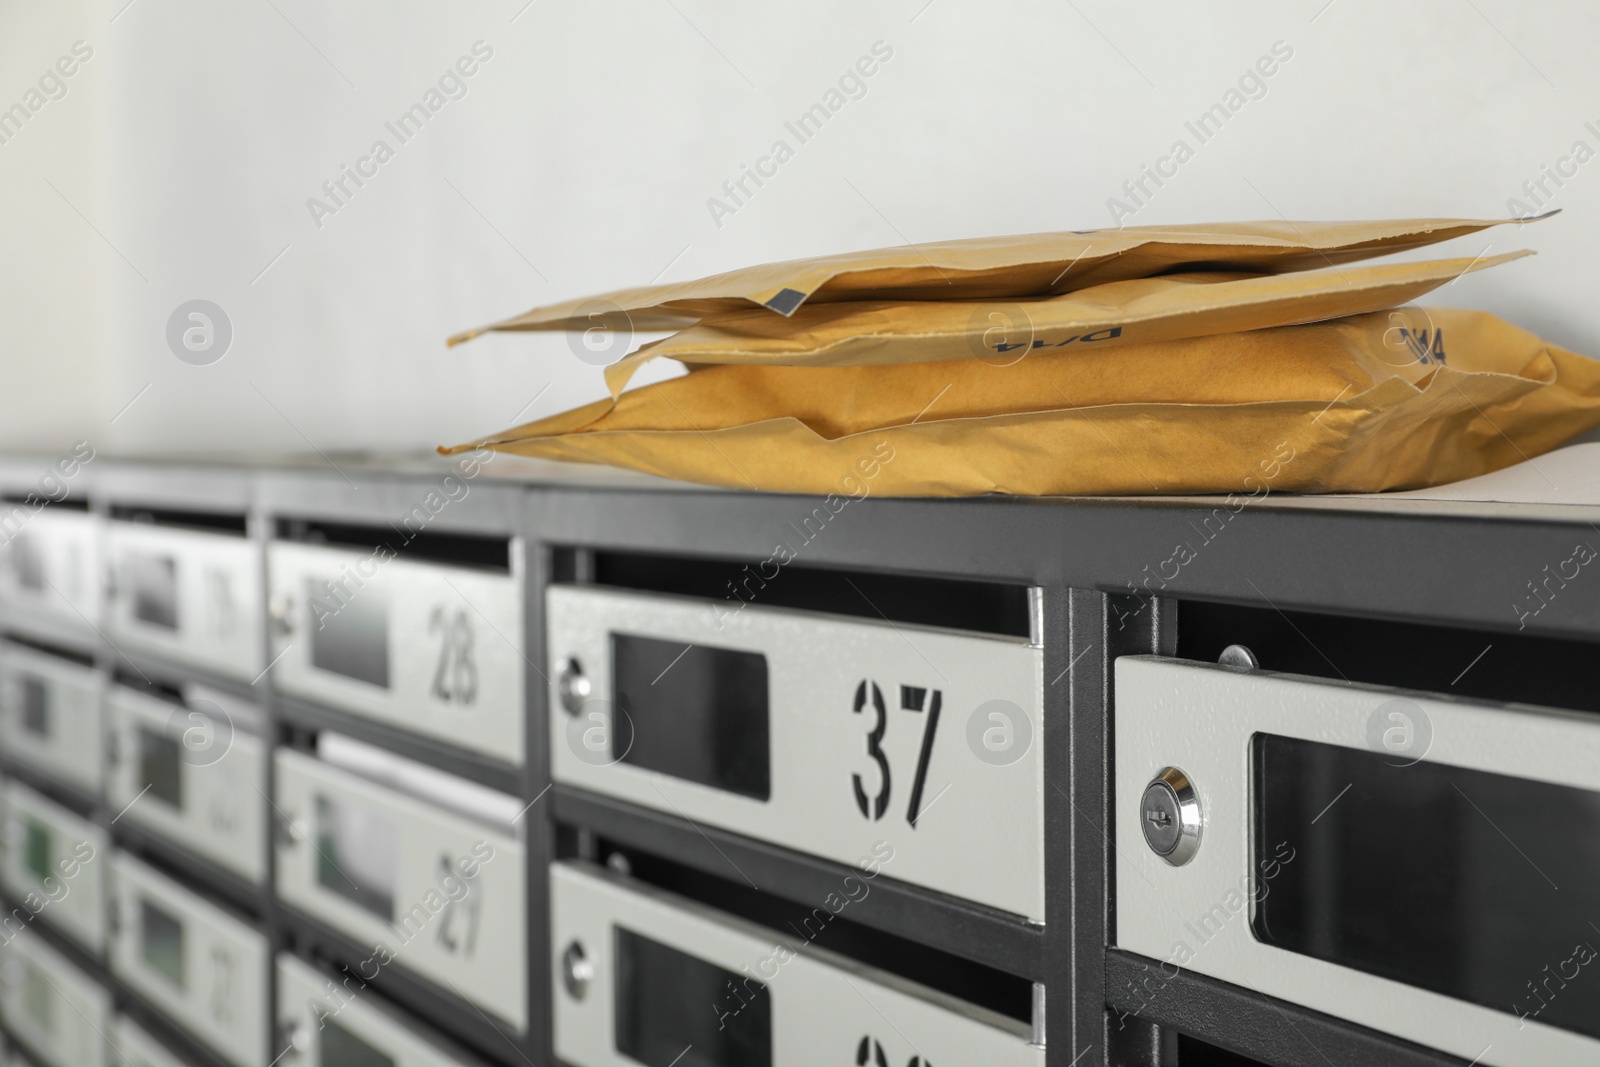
x: 55, y: 651
x: 1474, y: 885
x: 31, y: 499
x: 697, y: 713
x: 35, y: 702
x: 661, y: 995
x: 358, y: 854
x: 956, y: 603
x: 1482, y: 665
x: 341, y: 1046
x: 37, y: 853
x: 351, y: 636
x: 161, y: 937
x: 816, y: 925
x: 157, y: 690
x: 153, y: 588
x: 405, y: 540
x: 570, y: 566
x: 160, y: 766
x: 1195, y: 1053
x: 204, y: 521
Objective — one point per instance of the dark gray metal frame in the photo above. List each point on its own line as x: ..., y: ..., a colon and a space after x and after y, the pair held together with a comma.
x: 1102, y: 594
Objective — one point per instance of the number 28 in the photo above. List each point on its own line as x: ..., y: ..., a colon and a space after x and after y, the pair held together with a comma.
x: 455, y: 678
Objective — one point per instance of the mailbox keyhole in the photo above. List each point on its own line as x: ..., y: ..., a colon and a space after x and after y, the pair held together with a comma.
x: 576, y: 970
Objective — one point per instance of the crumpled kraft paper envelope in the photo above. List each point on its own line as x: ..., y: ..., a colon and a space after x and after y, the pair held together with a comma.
x: 1102, y: 316
x: 1390, y: 400
x: 988, y: 268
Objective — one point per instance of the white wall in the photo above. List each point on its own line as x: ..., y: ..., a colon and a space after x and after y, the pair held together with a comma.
x: 585, y: 150
x: 51, y: 345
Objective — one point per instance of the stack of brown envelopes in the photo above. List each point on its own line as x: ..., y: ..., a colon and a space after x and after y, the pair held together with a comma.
x: 1229, y: 358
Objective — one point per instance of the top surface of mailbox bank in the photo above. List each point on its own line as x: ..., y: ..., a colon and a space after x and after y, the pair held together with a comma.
x: 1561, y: 484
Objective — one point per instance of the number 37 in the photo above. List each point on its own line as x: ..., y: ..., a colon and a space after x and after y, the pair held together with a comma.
x: 926, y: 701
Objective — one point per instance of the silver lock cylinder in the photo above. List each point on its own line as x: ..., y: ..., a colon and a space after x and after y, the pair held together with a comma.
x: 576, y: 970
x: 288, y: 830
x: 294, y: 1038
x: 573, y: 686
x: 1170, y: 817
x: 280, y: 610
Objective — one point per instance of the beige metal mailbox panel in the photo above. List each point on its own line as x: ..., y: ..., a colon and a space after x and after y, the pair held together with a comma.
x: 1203, y: 719
x: 202, y: 966
x: 193, y: 596
x: 437, y: 893
x: 53, y: 864
x: 837, y: 736
x: 57, y: 1010
x: 623, y: 952
x: 430, y: 648
x: 51, y: 715
x: 50, y: 572
x: 194, y: 774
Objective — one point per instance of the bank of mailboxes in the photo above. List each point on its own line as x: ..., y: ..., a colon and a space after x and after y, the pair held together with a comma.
x: 50, y: 714
x: 193, y: 595
x: 191, y: 768
x: 432, y: 648
x: 837, y: 736
x: 425, y: 867
x: 54, y: 861
x: 50, y: 570
x: 200, y: 965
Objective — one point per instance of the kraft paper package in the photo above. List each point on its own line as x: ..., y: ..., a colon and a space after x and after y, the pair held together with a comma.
x: 989, y: 268
x: 1102, y: 316
x: 1389, y: 400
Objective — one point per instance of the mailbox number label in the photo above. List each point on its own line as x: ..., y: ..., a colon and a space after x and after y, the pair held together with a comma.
x: 458, y: 928
x: 870, y: 1054
x: 455, y: 677
x: 925, y: 702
